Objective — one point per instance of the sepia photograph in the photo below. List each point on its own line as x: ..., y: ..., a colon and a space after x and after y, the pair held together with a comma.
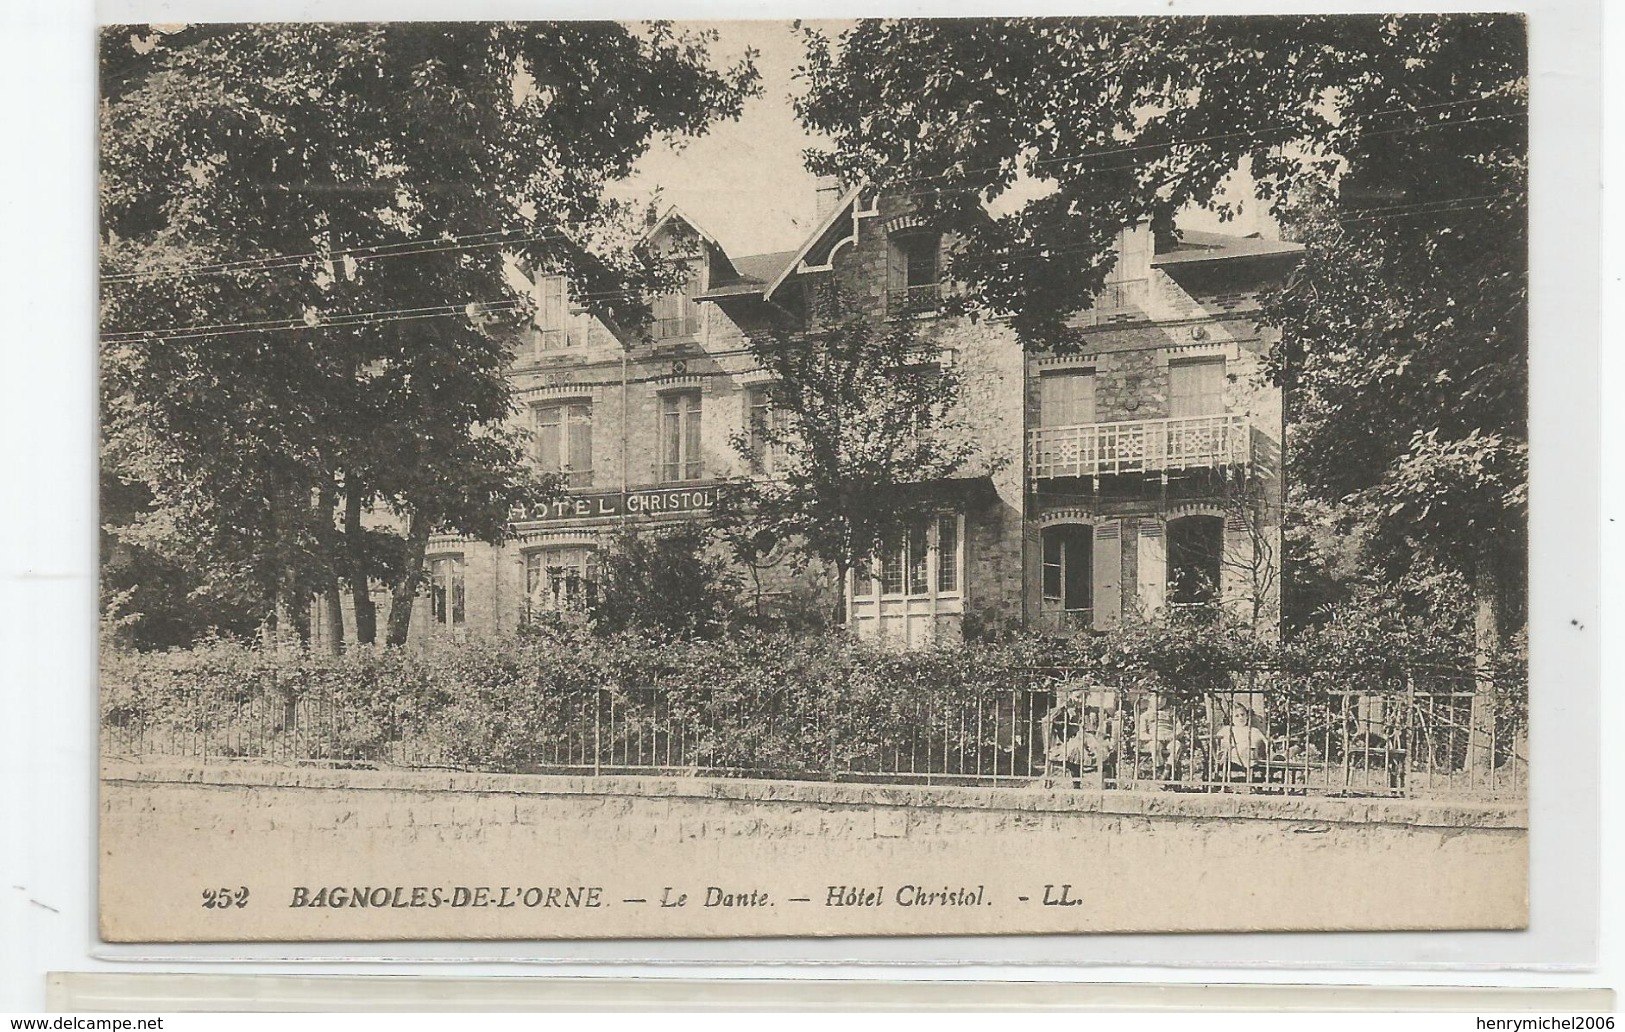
x: 570, y: 480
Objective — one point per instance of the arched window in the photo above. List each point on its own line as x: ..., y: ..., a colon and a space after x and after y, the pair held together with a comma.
x: 1195, y: 554
x: 1068, y: 582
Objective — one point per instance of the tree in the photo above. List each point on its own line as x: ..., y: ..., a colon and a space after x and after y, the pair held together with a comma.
x: 863, y: 425
x: 1396, y: 144
x: 666, y: 580
x: 309, y: 238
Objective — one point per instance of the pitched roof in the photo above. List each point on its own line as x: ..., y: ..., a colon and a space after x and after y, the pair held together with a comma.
x: 1201, y: 246
x: 755, y: 271
x: 837, y: 212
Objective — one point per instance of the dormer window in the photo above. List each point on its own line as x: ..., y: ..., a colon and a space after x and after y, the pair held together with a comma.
x: 914, y: 276
x: 677, y: 314
x: 552, y: 314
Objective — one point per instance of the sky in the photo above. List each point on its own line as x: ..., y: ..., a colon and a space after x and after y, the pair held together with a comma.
x: 744, y: 181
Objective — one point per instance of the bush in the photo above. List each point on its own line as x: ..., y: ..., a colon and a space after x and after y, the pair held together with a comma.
x: 571, y: 699
x: 667, y: 581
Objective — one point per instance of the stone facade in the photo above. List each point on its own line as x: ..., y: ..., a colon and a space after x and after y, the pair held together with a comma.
x: 1163, y: 314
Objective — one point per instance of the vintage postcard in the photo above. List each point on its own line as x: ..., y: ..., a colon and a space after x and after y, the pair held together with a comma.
x: 974, y: 476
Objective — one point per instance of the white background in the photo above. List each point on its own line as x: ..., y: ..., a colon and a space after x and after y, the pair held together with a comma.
x: 48, y: 564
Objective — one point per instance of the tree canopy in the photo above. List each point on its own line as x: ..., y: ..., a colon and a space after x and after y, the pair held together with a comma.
x: 309, y: 237
x: 863, y: 416
x: 1393, y: 146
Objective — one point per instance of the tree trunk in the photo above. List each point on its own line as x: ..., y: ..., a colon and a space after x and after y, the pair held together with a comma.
x: 333, y: 618
x: 406, y: 589
x: 1486, y: 642
x: 291, y: 600
x: 840, y: 595
x: 293, y: 614
x: 332, y: 599
x: 366, y: 614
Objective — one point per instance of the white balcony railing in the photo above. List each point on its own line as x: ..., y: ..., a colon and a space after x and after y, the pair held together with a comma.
x: 1138, y: 446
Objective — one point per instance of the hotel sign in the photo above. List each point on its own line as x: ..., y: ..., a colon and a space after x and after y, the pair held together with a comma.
x: 659, y: 501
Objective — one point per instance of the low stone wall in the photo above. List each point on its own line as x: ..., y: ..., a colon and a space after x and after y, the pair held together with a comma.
x: 768, y: 858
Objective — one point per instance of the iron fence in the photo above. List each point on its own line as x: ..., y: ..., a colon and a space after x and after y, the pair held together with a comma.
x: 1415, y: 734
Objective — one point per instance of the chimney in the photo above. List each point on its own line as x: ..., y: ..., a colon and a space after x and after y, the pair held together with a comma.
x: 828, y: 190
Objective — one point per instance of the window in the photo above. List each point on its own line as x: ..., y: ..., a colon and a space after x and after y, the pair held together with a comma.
x: 680, y: 436
x: 446, y: 594
x: 914, y: 277
x: 1068, y: 560
x: 1066, y: 398
x: 925, y: 563
x: 863, y: 584
x: 1196, y: 388
x: 559, y: 580
x: 677, y: 314
x: 761, y: 415
x: 1127, y: 285
x: 947, y: 554
x: 918, y: 550
x: 564, y: 441
x: 552, y: 314
x: 1195, y: 554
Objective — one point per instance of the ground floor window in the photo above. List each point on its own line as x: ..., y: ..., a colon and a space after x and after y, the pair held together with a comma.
x: 1068, y: 581
x: 447, y: 595
x: 1195, y: 554
x: 926, y: 563
x: 559, y: 579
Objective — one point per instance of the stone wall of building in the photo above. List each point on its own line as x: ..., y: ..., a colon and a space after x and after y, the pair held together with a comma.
x: 1184, y: 315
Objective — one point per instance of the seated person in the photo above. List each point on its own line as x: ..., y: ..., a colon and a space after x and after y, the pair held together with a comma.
x: 1242, y: 746
x: 1088, y: 730
x: 1157, y: 730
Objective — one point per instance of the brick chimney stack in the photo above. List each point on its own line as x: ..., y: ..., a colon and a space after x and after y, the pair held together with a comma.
x: 829, y: 191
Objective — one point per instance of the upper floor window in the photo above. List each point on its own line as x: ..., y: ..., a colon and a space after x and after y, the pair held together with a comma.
x: 447, y: 596
x: 1128, y: 283
x: 552, y: 313
x: 564, y: 441
x: 680, y: 436
x: 1196, y: 388
x: 914, y: 276
x: 677, y: 314
x: 1066, y: 398
x: 762, y: 416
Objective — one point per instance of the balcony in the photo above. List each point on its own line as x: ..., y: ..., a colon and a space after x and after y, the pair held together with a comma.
x: 920, y: 299
x: 1139, y: 446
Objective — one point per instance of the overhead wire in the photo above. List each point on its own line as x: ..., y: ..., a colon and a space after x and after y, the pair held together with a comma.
x: 384, y: 316
x: 380, y: 251
x: 270, y: 262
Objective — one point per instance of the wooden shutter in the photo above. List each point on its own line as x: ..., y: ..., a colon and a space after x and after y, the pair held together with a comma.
x: 1196, y: 388
x: 1066, y: 399
x: 1152, y: 579
x: 579, y: 445
x: 1108, y: 600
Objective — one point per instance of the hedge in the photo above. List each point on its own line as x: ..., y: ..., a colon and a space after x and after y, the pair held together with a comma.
x: 763, y: 703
